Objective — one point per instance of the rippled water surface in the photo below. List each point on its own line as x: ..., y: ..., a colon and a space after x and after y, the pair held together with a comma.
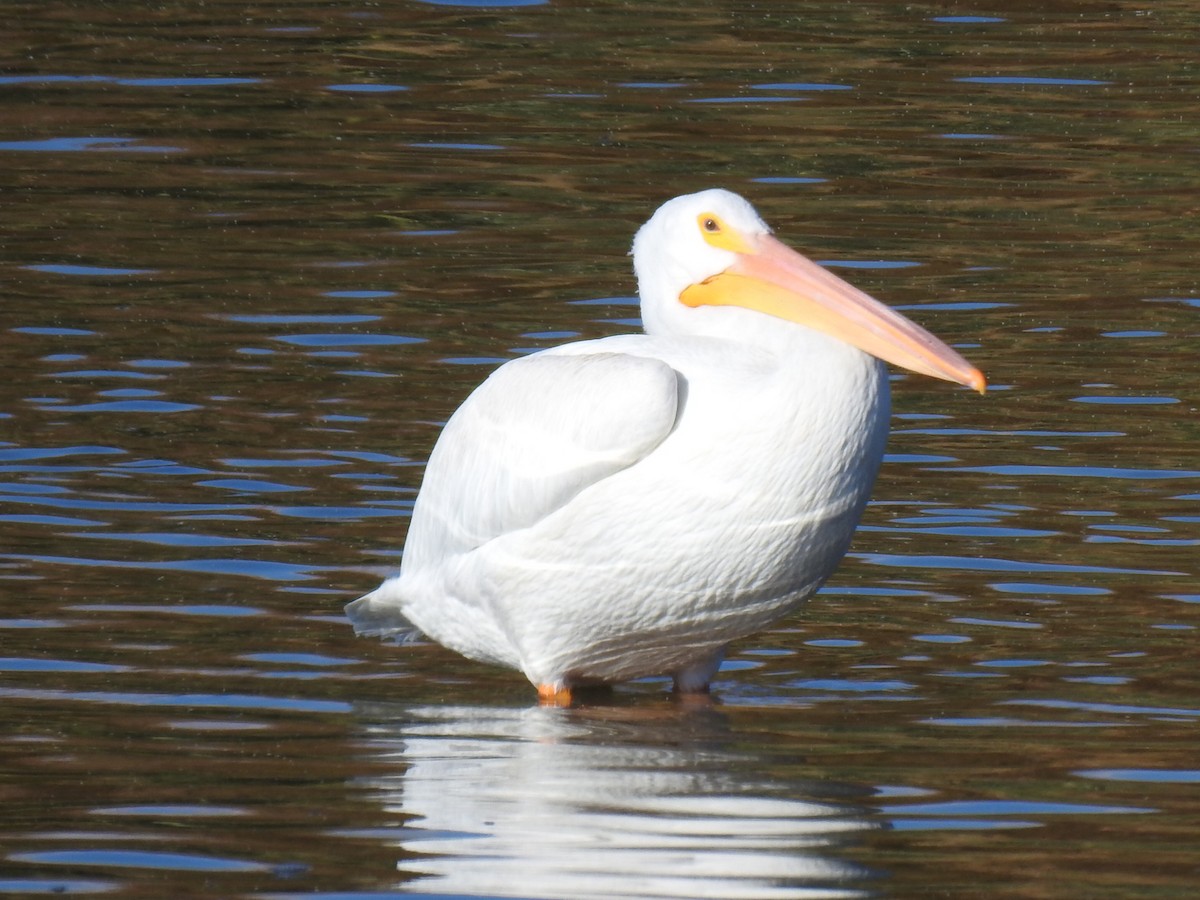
x: 251, y: 256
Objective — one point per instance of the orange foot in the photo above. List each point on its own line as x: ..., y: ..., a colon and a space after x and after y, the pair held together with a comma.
x: 554, y: 695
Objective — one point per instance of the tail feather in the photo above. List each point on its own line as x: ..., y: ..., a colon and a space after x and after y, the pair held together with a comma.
x: 377, y: 613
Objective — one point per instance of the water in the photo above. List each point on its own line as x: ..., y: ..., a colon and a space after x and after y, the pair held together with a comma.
x: 252, y: 257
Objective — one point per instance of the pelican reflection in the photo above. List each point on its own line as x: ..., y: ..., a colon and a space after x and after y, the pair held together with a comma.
x: 604, y: 803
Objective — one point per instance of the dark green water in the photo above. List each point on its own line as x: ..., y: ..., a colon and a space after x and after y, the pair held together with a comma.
x: 251, y: 256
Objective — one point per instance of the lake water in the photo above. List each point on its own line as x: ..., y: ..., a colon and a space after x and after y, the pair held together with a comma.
x: 252, y: 255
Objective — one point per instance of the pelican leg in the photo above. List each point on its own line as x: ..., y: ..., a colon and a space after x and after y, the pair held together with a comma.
x: 695, y: 678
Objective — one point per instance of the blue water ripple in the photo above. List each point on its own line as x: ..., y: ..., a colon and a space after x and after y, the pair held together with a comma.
x: 347, y: 340
x: 300, y: 462
x: 170, y: 811
x: 140, y: 859
x: 996, y: 564
x: 198, y: 701
x: 25, y: 664
x: 923, y: 824
x: 52, y: 331
x: 371, y: 457
x: 1026, y: 587
x: 57, y: 887
x: 802, y: 86
x: 177, y: 81
x: 77, y: 503
x: 1144, y: 776
x: 840, y: 684
x: 86, y: 145
x: 344, y: 513
x: 1006, y: 722
x: 253, y: 568
x: 158, y: 363
x: 300, y: 659
x: 452, y: 145
x: 1009, y: 808
x: 787, y: 179
x: 1081, y: 472
x: 108, y: 373
x: 194, y: 609
x: 131, y: 393
x: 64, y: 269
x: 167, y: 539
x: 366, y: 88
x: 27, y: 453
x: 485, y: 4
x: 994, y: 623
x: 251, y: 486
x: 166, y: 81
x: 1119, y: 709
x: 967, y: 20
x: 1029, y: 80
x: 130, y: 406
x: 313, y: 319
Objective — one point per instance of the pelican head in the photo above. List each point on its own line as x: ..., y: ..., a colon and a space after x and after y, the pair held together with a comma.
x: 712, y: 250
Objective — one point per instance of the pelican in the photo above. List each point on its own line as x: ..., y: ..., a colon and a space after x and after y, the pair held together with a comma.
x: 626, y: 507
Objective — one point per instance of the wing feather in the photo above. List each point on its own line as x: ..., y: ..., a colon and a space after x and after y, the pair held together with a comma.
x: 537, y: 432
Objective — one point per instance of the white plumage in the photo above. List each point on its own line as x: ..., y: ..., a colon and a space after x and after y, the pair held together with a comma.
x: 624, y: 507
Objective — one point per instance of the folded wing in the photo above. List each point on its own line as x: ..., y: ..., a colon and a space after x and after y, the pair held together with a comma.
x: 535, y: 434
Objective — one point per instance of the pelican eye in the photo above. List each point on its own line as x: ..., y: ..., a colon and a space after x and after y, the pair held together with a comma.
x: 717, y: 234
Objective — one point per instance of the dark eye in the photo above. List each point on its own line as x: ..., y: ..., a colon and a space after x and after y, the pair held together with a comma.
x: 711, y: 225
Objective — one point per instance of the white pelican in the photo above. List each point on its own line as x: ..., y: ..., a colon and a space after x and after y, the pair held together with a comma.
x: 624, y: 507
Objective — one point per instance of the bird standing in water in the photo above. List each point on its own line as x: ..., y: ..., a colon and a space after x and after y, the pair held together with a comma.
x: 617, y: 508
